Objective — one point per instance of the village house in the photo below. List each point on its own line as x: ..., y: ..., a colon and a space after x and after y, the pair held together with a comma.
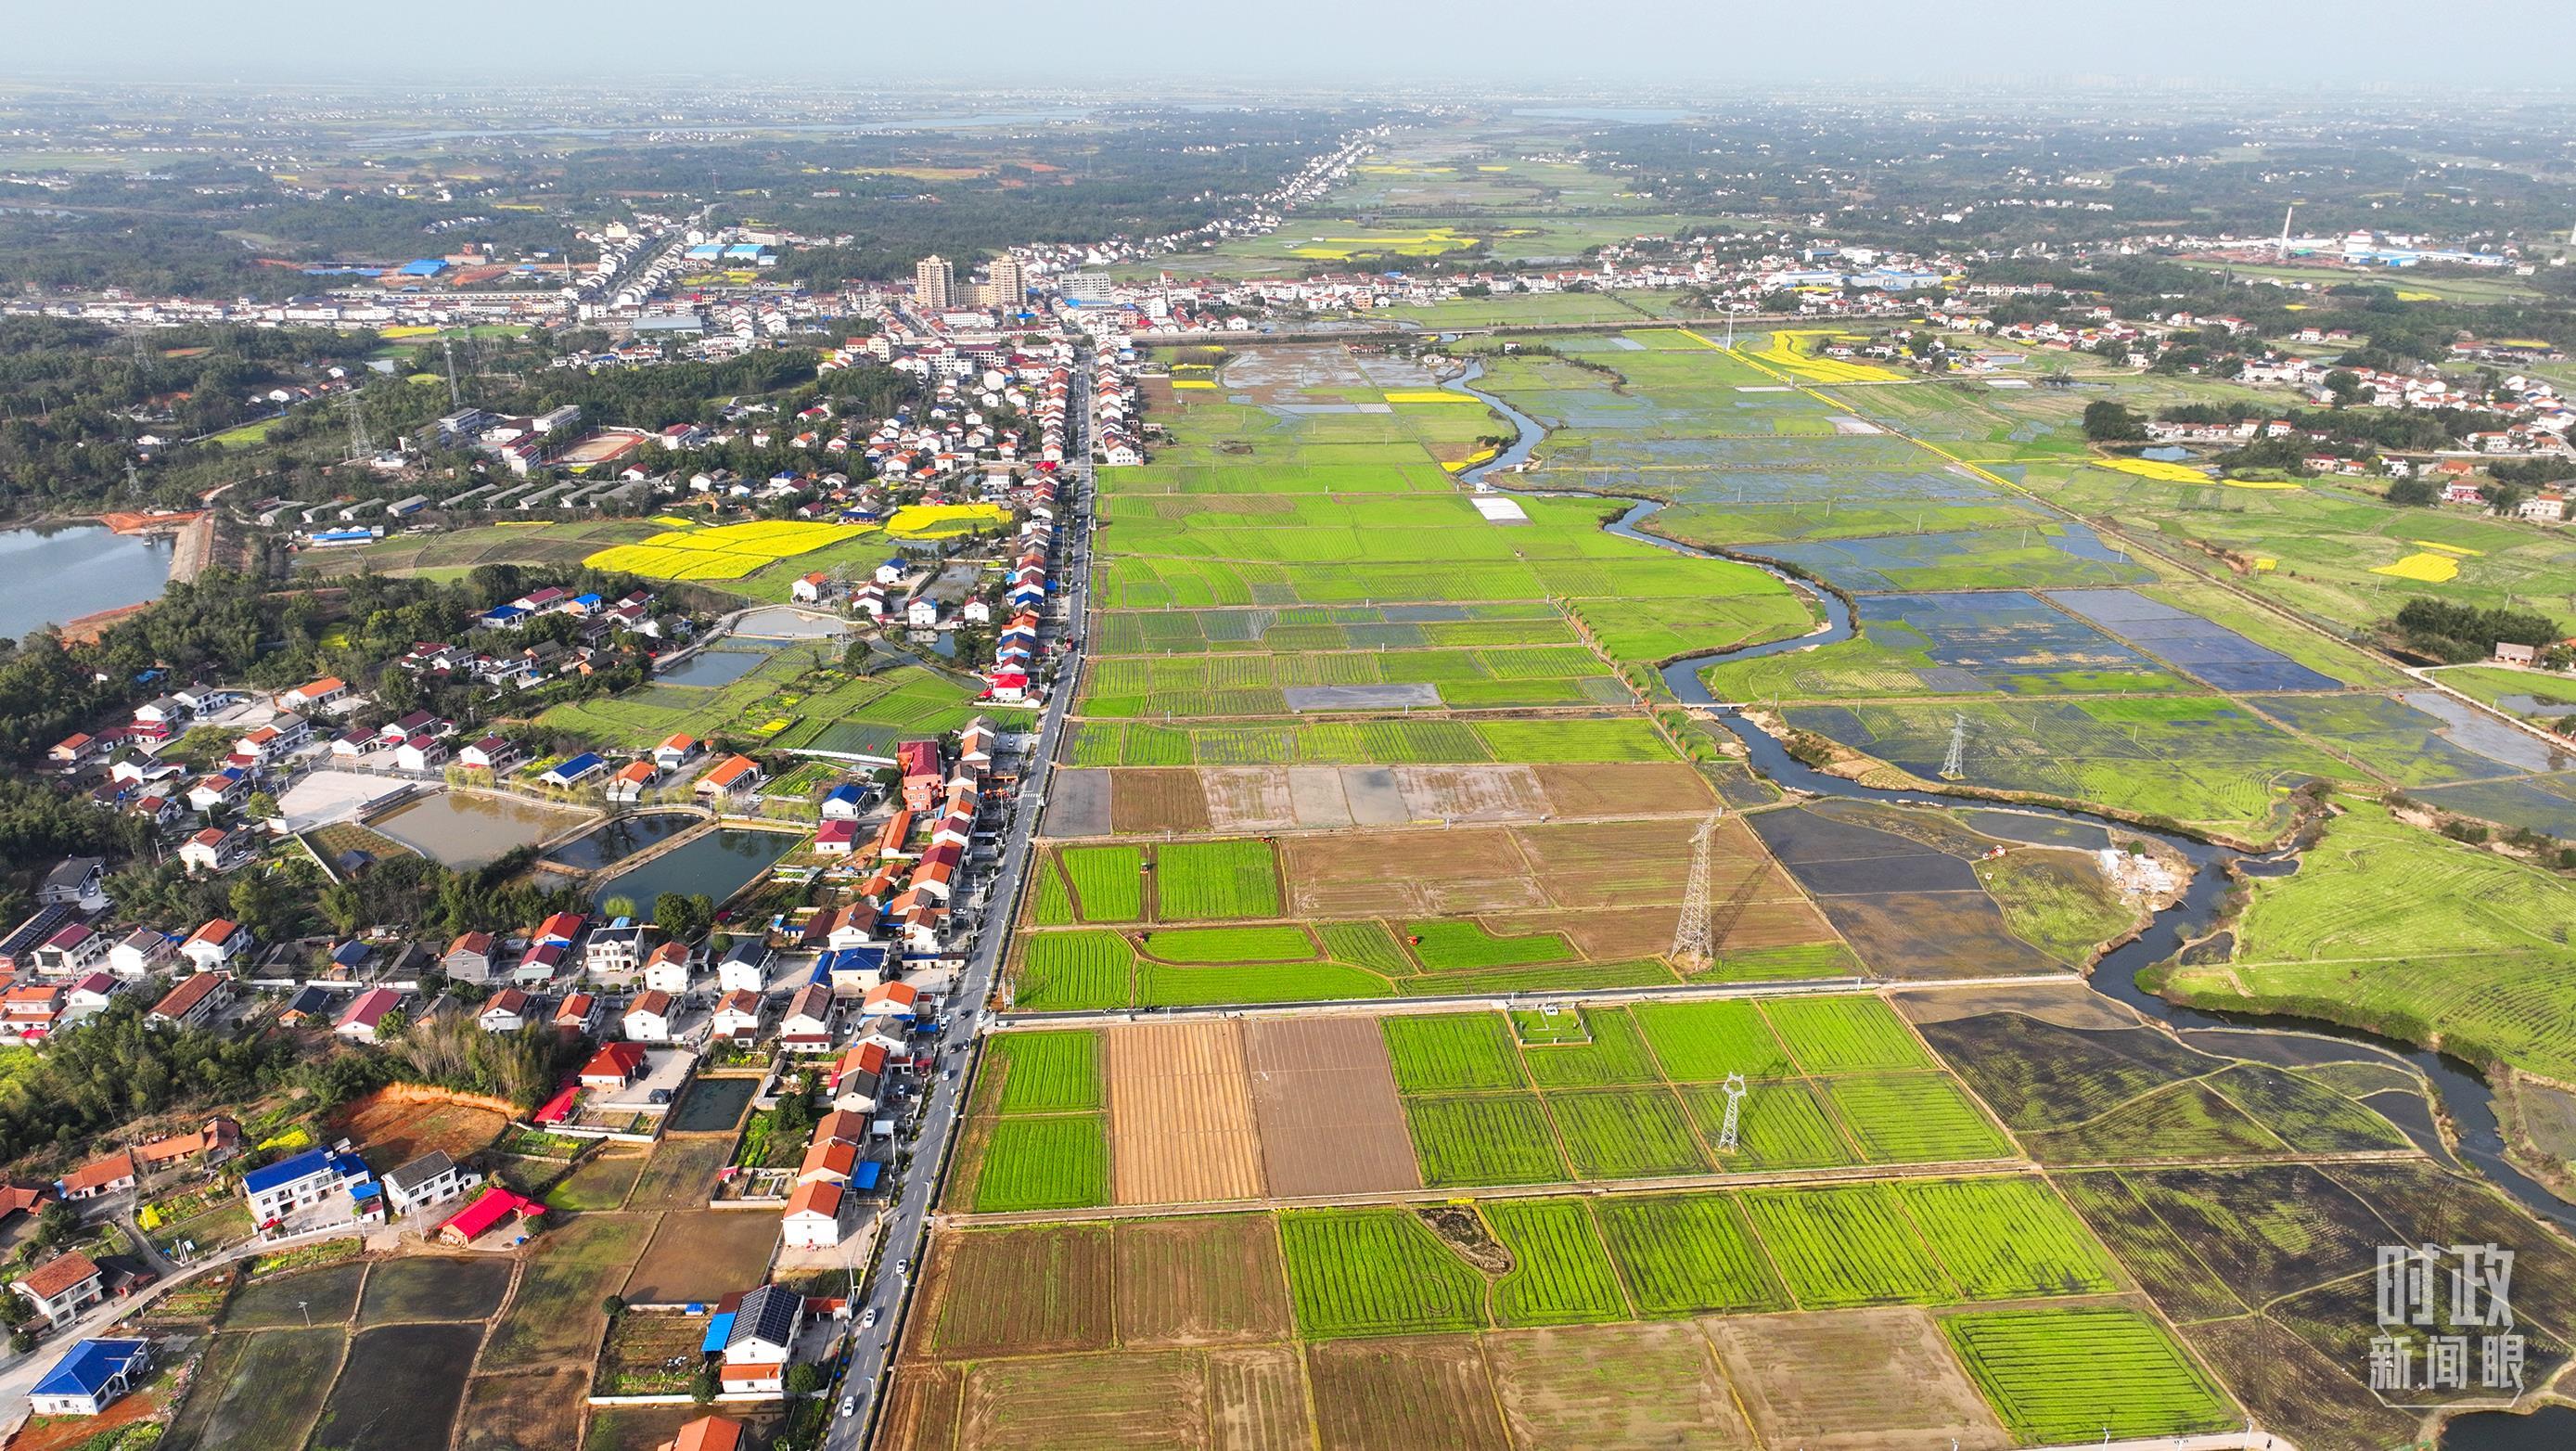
x: 469, y: 958
x: 737, y: 1017
x: 139, y: 953
x: 62, y: 1287
x: 505, y: 1011
x: 219, y: 1139
x: 113, y: 1174
x: 627, y: 787
x: 429, y: 1180
x: 648, y: 1018
x: 79, y: 881
x: 670, y: 968
x: 577, y: 1013
x: 363, y: 1020
x: 813, y: 1217
x: 300, y: 1182
x: 807, y: 1027
x: 70, y: 952
x: 762, y: 1340
x: 91, y: 1376
x: 613, y: 1067
x: 675, y: 752
x: 215, y: 850
x: 618, y: 947
x: 215, y: 943
x: 730, y: 777
x: 196, y: 1002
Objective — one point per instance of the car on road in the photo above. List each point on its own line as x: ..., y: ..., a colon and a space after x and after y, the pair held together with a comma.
x: 903, y: 1268
x: 869, y: 1320
x: 849, y: 1406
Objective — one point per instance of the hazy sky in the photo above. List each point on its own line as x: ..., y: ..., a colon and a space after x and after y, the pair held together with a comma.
x: 1157, y: 45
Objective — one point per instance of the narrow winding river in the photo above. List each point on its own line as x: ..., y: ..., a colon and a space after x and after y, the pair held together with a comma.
x: 2465, y: 1097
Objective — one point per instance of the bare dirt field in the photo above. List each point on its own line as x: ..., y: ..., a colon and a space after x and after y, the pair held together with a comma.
x: 1034, y: 1291
x: 1605, y: 863
x: 1210, y: 1281
x: 394, y: 1131
x: 1248, y: 798
x: 1151, y: 800
x: 2067, y: 1004
x: 1408, y: 874
x: 1403, y: 1394
x: 1330, y: 1119
x: 1373, y: 796
x: 1148, y: 1399
x: 699, y: 1255
x: 1181, y: 1127
x: 1797, y: 1377
x: 1624, y: 788
x: 1078, y: 803
x: 1316, y: 797
x: 1613, y: 1388
x: 682, y: 1172
x: 538, y: 1410
x: 1604, y: 936
x: 1257, y: 1400
x: 921, y: 1410
x: 1933, y: 935
x: 1472, y: 793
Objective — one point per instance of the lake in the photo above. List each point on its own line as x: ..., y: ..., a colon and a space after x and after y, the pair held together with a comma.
x: 618, y: 838
x: 470, y: 831
x: 718, y: 864
x: 53, y: 573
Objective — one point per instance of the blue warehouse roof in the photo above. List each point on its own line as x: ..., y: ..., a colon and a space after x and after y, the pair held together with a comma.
x: 88, y: 1366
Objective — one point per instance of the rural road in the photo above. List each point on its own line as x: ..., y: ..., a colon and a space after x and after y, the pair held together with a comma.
x: 903, y: 1230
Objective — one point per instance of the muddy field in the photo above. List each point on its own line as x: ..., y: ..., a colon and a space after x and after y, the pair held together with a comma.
x: 1408, y: 874
x: 1399, y: 1394
x: 1613, y: 1388
x: 1912, y: 1394
x: 1155, y: 1399
x: 1330, y: 1119
x: 536, y: 1410
x: 1906, y: 898
x: 1210, y: 1281
x: 1152, y: 800
x: 703, y: 1254
x: 2067, y: 1004
x: 1142, y: 800
x: 1181, y: 1128
x: 1035, y: 1291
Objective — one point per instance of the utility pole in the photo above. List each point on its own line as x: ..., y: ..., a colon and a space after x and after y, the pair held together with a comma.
x: 447, y: 345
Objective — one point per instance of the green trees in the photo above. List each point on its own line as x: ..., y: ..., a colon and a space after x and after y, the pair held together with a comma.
x: 684, y: 917
x: 2109, y: 422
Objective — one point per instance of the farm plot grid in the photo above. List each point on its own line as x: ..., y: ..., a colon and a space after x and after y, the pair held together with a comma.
x: 1244, y: 1317
x: 1394, y: 913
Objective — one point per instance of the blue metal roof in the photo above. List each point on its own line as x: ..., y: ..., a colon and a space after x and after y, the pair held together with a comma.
x: 846, y: 791
x: 89, y: 1365
x: 287, y: 1171
x: 425, y: 267
x: 579, y: 765
x: 866, y: 1173
x: 719, y: 1329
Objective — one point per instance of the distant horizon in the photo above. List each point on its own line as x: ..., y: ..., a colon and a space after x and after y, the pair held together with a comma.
x: 1147, y: 46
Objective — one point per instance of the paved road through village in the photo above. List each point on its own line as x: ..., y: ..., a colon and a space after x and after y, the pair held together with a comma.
x: 901, y: 1233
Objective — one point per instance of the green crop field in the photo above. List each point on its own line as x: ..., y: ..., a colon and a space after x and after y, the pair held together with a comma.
x: 1839, y: 1035
x: 1060, y: 1162
x: 1047, y: 1072
x: 1375, y: 1272
x: 1201, y: 879
x: 1053, y: 904
x: 1227, y: 944
x: 1451, y: 943
x: 1615, y: 1053
x: 1913, y: 1118
x: 1364, y: 944
x: 1846, y: 1245
x: 1780, y: 1126
x: 2007, y: 1239
x: 2072, y: 1375
x: 1704, y: 1042
x: 1560, y: 1272
x: 1108, y: 881
x: 1626, y: 1133
x: 1060, y: 971
x: 1164, y: 985
x: 1482, y: 1139
x: 2469, y: 952
x: 1688, y: 1255
x: 1451, y: 1052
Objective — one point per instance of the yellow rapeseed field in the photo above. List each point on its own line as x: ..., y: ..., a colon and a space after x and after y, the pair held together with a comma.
x: 726, y: 551
x: 2153, y: 468
x: 1430, y: 395
x: 2424, y: 568
x: 938, y: 521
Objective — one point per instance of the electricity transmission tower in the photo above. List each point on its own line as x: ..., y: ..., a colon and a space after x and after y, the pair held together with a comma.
x: 448, y: 346
x: 1691, y: 942
x: 1734, y: 1087
x: 361, y: 447
x: 1955, y: 764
